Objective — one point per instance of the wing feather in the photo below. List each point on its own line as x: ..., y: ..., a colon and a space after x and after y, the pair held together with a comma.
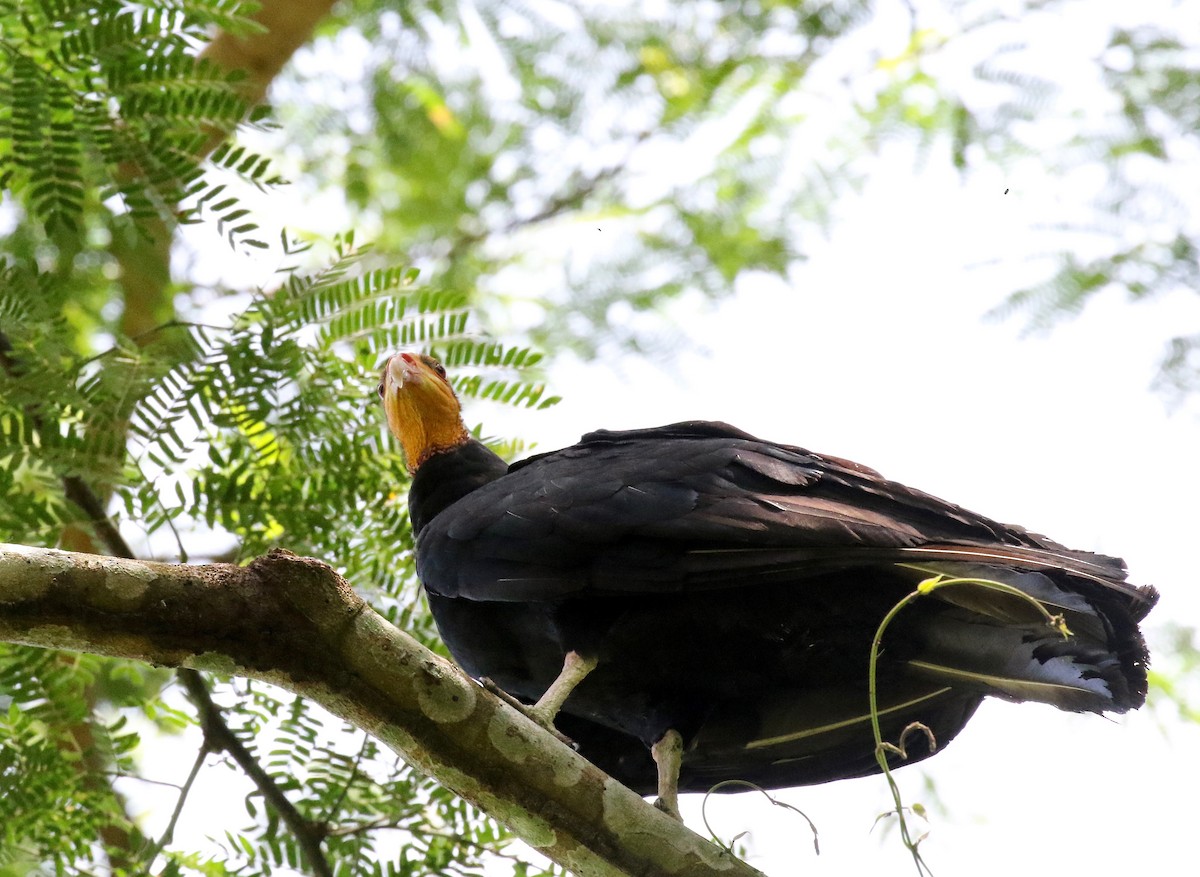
x: 704, y: 505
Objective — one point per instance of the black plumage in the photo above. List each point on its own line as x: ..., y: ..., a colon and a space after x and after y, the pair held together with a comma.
x: 729, y: 588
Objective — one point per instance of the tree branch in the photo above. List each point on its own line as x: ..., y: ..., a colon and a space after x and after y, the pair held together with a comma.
x: 77, y: 491
x: 287, y: 25
x: 296, y: 623
x: 184, y: 790
x: 221, y: 738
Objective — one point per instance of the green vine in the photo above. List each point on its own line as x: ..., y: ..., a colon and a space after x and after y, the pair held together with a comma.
x: 728, y: 847
x: 883, y: 749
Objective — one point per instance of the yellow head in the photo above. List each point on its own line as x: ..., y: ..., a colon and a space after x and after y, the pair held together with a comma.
x: 422, y: 410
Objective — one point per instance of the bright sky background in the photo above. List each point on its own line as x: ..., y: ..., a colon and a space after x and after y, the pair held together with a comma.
x: 877, y: 349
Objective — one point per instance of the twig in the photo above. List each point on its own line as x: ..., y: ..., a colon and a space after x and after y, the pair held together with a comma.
x: 882, y: 748
x: 169, y: 833
x: 728, y: 847
x: 78, y: 492
x: 336, y: 805
x: 121, y: 775
x: 555, y: 206
x: 364, y: 827
x: 220, y: 738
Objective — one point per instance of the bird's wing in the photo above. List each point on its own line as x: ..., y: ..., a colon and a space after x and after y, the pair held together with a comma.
x: 702, y: 505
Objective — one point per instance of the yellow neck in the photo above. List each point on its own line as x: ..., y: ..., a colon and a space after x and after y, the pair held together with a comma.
x: 423, y: 440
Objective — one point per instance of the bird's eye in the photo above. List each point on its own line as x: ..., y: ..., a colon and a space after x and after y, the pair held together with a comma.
x: 438, y: 368
x: 379, y: 389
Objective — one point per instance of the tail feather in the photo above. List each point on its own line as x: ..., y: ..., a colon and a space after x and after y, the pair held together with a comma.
x: 1074, y: 695
x: 1000, y: 644
x: 940, y: 657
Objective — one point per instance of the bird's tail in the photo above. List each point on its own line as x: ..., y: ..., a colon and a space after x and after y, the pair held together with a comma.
x: 996, y: 641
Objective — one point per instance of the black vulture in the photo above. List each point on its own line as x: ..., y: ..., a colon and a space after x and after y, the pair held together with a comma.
x: 691, y: 604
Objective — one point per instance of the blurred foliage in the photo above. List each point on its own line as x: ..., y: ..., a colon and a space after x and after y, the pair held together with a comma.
x: 1139, y: 233
x: 580, y: 167
x: 108, y: 101
x: 537, y: 170
x: 643, y: 146
x: 1175, y: 687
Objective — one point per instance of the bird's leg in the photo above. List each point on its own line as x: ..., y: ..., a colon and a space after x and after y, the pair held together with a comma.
x: 575, y: 668
x: 668, y: 755
x: 524, y: 708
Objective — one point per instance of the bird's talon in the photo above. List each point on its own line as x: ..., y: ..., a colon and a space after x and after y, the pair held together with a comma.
x: 486, y: 682
x: 665, y: 807
x: 528, y: 710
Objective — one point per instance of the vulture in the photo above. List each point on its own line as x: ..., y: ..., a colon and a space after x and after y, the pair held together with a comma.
x: 690, y: 604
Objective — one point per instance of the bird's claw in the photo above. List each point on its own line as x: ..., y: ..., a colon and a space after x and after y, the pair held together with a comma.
x: 666, y: 807
x: 528, y: 710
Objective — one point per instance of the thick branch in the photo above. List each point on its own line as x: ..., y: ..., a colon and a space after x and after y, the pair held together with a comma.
x: 287, y: 25
x: 294, y: 622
